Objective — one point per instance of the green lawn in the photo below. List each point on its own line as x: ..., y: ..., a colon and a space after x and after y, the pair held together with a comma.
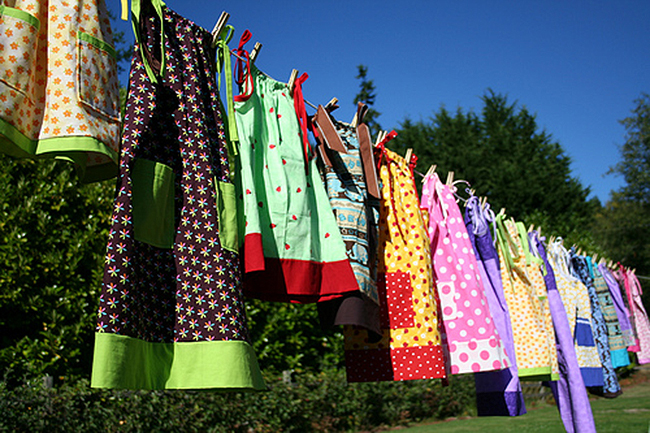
x: 630, y: 412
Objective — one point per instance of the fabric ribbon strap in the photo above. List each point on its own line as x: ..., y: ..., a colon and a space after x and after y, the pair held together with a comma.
x: 301, y: 113
x: 224, y: 63
x: 243, y: 75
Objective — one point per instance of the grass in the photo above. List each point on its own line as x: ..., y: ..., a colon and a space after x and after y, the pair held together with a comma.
x: 630, y: 412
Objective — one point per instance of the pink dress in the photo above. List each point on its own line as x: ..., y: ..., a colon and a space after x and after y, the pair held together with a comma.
x: 468, y: 329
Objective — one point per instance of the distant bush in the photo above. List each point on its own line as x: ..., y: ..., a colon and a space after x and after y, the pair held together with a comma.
x: 314, y: 402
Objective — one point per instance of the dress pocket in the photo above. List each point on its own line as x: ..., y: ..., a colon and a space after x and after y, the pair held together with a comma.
x: 227, y: 209
x: 97, y: 75
x: 18, y: 41
x: 153, y: 203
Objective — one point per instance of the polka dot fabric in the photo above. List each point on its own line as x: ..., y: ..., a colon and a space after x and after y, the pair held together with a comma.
x: 473, y: 340
x: 410, y: 345
x: 529, y: 326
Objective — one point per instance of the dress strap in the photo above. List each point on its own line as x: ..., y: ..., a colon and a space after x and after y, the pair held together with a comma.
x: 301, y: 113
x: 243, y: 75
x: 140, y: 10
x: 224, y: 63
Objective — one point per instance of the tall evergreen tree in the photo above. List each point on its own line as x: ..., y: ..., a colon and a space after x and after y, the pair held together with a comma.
x: 367, y: 96
x: 624, y: 223
x: 504, y: 156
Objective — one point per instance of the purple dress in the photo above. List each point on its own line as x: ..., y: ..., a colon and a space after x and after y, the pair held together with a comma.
x: 498, y: 393
x: 569, y: 391
x: 621, y: 309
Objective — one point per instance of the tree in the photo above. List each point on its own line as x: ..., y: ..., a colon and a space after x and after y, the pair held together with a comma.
x: 504, y: 156
x: 624, y: 223
x: 635, y: 154
x: 367, y: 96
x: 53, y: 233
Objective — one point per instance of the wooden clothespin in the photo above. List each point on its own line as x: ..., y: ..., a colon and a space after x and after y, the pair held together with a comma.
x: 380, y: 136
x: 332, y: 105
x: 483, y: 201
x: 255, y: 52
x: 218, y: 27
x: 450, y: 178
x: 531, y: 228
x: 595, y: 258
x: 430, y: 171
x: 292, y: 79
x: 408, y: 154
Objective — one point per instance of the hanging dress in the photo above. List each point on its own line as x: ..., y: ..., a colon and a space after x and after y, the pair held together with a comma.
x: 410, y: 347
x: 472, y: 338
x: 640, y: 318
x: 293, y: 250
x: 575, y: 298
x: 611, y: 387
x: 59, y: 93
x: 622, y: 312
x: 348, y: 172
x: 569, y: 390
x: 498, y: 393
x: 534, y: 341
x: 617, y: 346
x: 171, y: 311
x: 624, y: 282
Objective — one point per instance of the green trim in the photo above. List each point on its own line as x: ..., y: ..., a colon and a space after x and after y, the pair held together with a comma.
x: 135, y: 21
x: 21, y: 15
x: 126, y: 362
x: 535, y: 373
x: 102, y: 45
x: 22, y: 147
x: 71, y: 148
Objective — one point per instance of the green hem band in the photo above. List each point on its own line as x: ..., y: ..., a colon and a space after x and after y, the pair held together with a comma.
x: 69, y: 148
x: 537, y: 374
x: 21, y: 15
x: 130, y: 363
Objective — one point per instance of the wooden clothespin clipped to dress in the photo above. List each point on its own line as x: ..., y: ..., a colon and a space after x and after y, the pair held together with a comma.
x: 430, y: 171
x: 219, y: 26
x: 380, y: 137
x: 255, y: 52
x: 408, y: 154
x: 450, y: 178
x: 332, y: 105
x: 292, y: 79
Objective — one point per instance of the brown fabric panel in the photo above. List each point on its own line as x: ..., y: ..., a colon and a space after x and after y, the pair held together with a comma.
x: 327, y: 129
x: 369, y: 169
x: 354, y: 309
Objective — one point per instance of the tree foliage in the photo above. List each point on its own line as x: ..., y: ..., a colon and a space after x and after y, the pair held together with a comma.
x: 635, y: 154
x: 53, y: 232
x: 367, y: 96
x: 504, y: 156
x: 624, y: 223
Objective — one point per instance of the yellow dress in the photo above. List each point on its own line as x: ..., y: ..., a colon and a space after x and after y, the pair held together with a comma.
x: 410, y: 346
x: 525, y: 293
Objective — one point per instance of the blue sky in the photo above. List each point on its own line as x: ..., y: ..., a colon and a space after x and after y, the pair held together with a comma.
x: 577, y: 65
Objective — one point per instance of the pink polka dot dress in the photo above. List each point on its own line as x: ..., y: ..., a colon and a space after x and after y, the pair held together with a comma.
x: 468, y: 329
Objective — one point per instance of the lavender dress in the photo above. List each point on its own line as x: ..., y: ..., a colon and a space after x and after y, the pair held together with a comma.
x: 498, y: 393
x: 569, y: 391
